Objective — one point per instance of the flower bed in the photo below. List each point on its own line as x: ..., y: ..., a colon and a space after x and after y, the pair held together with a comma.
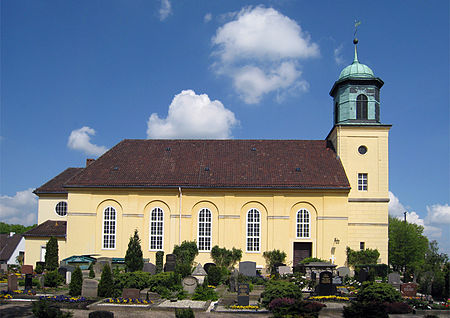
x: 68, y: 302
x: 329, y: 298
x: 127, y: 301
x: 63, y: 298
x: 249, y: 307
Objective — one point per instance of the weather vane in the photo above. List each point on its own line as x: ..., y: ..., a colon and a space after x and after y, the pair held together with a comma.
x: 357, y: 23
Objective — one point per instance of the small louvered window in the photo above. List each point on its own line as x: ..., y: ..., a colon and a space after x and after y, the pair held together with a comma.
x: 361, y: 107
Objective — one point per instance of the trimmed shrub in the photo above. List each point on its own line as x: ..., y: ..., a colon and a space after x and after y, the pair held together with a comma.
x: 214, y: 275
x: 379, y: 292
x: 53, y: 279
x: 289, y: 307
x: 365, y: 310
x: 205, y: 293
x: 76, y: 282
x: 159, y: 261
x: 42, y: 309
x: 106, y: 285
x: 183, y: 269
x: 397, y: 308
x: 280, y: 289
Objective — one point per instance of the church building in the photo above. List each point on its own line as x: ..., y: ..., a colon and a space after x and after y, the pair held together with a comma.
x: 303, y: 197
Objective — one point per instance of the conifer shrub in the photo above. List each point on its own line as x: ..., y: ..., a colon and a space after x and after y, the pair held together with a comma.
x: 76, y: 282
x: 53, y: 279
x: 159, y: 261
x: 106, y: 285
x: 133, y: 257
x: 51, y: 254
x: 91, y: 271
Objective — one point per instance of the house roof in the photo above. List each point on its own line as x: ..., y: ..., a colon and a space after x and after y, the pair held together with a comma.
x: 55, y: 185
x: 9, y: 245
x: 47, y: 229
x: 299, y: 164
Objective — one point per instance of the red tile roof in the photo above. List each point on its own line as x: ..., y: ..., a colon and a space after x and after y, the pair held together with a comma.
x: 8, y: 246
x: 300, y: 164
x: 55, y: 185
x: 47, y: 229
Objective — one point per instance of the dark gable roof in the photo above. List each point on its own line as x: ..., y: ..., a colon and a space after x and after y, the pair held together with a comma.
x: 9, y: 245
x: 216, y: 164
x: 47, y: 229
x: 55, y: 185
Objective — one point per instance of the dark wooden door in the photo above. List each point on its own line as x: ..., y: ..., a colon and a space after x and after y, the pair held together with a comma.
x: 301, y: 251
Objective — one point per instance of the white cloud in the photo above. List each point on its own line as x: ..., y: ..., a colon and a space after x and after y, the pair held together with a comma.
x: 207, y: 18
x: 193, y: 116
x: 79, y: 139
x: 20, y: 208
x: 338, y: 58
x: 260, y: 50
x: 165, y: 10
x: 438, y: 214
x: 396, y: 209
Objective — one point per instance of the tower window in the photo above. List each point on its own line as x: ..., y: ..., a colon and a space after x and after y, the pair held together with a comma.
x: 336, y: 112
x: 362, y: 181
x: 361, y: 107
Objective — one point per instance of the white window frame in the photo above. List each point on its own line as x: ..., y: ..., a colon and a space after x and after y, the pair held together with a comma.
x: 363, y: 182
x: 114, y: 235
x: 204, y: 237
x: 252, y: 237
x: 43, y: 252
x: 301, y: 224
x: 56, y: 209
x: 157, y: 222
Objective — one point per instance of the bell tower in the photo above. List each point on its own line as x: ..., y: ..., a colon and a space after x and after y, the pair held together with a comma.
x: 361, y: 142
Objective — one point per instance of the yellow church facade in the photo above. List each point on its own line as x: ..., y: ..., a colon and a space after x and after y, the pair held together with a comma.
x: 304, y: 197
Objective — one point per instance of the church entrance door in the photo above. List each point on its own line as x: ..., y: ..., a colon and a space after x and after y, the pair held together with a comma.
x: 301, y: 251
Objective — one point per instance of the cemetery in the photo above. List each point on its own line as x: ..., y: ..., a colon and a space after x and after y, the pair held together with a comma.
x: 226, y: 285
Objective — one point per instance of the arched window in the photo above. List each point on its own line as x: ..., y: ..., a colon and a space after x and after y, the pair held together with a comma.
x: 109, y: 228
x: 361, y: 107
x: 156, y: 229
x: 204, y: 230
x: 336, y: 112
x: 303, y: 220
x: 253, y: 230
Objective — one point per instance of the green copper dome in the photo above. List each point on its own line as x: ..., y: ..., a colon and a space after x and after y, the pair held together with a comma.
x: 357, y: 70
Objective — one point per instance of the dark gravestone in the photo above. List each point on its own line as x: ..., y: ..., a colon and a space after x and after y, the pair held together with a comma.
x: 247, y: 268
x: 28, y: 281
x: 408, y: 289
x: 27, y: 269
x: 207, y: 266
x: 363, y: 275
x: 171, y: 262
x: 101, y: 313
x: 62, y: 271
x: 149, y: 268
x: 243, y: 297
x: 133, y: 293
x: 325, y: 284
x: 12, y: 282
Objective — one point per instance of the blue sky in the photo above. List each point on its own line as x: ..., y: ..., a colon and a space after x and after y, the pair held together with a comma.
x: 79, y: 76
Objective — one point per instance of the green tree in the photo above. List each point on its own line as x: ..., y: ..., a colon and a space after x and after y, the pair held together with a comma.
x: 186, y: 252
x: 362, y: 257
x: 6, y: 228
x: 273, y: 258
x: 225, y: 258
x: 51, y: 254
x: 106, y: 285
x: 76, y: 282
x: 407, y: 246
x: 133, y: 257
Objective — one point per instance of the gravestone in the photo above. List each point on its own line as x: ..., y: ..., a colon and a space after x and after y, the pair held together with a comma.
x: 41, y: 280
x: 189, y: 284
x: 171, y: 262
x: 153, y: 296
x: 243, y: 297
x: 199, y: 273
x: 3, y: 268
x: 394, y: 278
x: 89, y: 288
x: 408, y: 289
x: 27, y: 269
x: 149, y: 268
x: 284, y: 270
x: 12, y: 282
x: 207, y: 266
x: 363, y: 275
x: 325, y: 283
x: 247, y: 268
x: 101, y: 261
x: 62, y: 271
x: 132, y: 293
x: 28, y: 281
x: 343, y: 271
x: 68, y: 277
x: 337, y: 280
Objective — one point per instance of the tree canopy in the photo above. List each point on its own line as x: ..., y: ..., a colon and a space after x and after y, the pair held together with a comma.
x: 407, y: 246
x: 362, y: 257
x: 225, y: 258
x: 6, y: 228
x: 133, y: 257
